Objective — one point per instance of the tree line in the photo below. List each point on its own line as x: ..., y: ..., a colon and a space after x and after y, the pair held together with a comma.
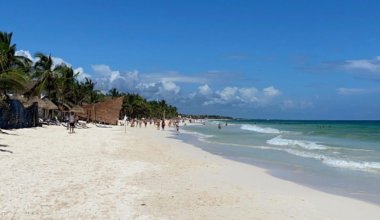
x: 59, y: 83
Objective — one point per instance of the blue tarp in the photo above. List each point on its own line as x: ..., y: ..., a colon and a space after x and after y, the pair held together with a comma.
x: 14, y: 115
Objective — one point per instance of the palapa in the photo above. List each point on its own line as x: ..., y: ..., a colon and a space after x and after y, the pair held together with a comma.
x: 49, y: 104
x: 41, y: 103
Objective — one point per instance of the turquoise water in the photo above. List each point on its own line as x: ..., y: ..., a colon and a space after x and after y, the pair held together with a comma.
x: 341, y: 157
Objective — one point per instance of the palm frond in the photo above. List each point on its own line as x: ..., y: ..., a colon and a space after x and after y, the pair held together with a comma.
x: 12, y: 80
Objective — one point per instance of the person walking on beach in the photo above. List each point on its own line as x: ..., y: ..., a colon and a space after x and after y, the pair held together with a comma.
x: 163, y: 124
x: 72, y: 122
x: 177, y: 126
x: 158, y: 124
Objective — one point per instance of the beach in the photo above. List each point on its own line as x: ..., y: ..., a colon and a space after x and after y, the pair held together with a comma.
x: 145, y: 173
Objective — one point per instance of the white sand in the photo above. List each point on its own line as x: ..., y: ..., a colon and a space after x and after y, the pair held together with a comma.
x: 102, y: 173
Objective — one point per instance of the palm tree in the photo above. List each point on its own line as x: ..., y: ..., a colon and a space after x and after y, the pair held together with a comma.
x: 114, y: 93
x: 85, y: 92
x: 136, y: 106
x: 65, y: 84
x: 89, y: 89
x: 78, y: 93
x: 44, y: 74
x: 7, y: 51
x: 12, y: 68
x: 127, y: 106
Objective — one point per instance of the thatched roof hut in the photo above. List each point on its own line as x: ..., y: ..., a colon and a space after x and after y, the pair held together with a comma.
x: 44, y: 103
x: 49, y: 104
x: 41, y: 103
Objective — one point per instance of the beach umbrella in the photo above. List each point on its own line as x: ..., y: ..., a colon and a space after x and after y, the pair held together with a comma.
x: 77, y: 109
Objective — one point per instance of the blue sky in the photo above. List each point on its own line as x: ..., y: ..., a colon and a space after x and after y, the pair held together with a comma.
x: 252, y: 59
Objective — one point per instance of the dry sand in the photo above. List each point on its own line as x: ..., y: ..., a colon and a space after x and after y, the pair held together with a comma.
x: 104, y: 173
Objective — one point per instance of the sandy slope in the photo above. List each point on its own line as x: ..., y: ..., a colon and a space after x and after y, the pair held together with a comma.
x: 103, y: 173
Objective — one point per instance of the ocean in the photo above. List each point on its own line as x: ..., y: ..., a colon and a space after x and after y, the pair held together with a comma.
x: 339, y: 157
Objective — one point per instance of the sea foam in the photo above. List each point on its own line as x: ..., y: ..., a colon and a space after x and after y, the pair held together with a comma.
x: 309, y: 145
x: 200, y: 136
x: 367, y: 166
x: 353, y: 165
x: 258, y: 129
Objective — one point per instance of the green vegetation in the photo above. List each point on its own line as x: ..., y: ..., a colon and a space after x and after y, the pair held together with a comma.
x: 12, y: 67
x: 136, y: 106
x: 19, y: 75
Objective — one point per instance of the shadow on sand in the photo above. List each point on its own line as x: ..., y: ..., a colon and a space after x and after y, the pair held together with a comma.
x: 2, y: 150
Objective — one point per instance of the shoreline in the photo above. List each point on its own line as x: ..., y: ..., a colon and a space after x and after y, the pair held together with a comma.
x: 147, y: 174
x: 310, y: 180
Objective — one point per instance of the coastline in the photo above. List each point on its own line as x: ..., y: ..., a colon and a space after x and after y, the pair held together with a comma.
x: 340, y: 184
x: 147, y: 174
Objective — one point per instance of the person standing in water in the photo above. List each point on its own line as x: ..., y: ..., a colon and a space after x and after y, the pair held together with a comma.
x: 219, y: 126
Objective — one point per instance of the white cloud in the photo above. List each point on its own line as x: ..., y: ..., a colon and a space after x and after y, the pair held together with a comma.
x: 362, y: 68
x: 169, y: 86
x: 101, y: 69
x: 243, y: 96
x: 248, y: 94
x: 59, y: 61
x: 363, y: 65
x: 184, y: 79
x: 157, y: 90
x: 356, y: 91
x: 203, y: 93
x: 175, y: 77
x: 56, y: 60
x: 25, y: 53
x: 227, y: 94
x: 108, y: 78
x: 82, y: 75
x: 204, y: 90
x: 114, y: 76
x: 271, y: 91
x: 149, y: 86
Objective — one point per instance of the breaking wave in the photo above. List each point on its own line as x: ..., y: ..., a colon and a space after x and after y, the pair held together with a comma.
x: 309, y: 145
x: 258, y: 129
